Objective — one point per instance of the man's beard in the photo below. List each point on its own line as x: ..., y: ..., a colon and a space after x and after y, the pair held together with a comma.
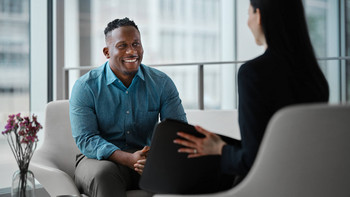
x: 131, y: 73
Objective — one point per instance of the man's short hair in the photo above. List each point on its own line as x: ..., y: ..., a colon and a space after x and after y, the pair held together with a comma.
x: 119, y: 23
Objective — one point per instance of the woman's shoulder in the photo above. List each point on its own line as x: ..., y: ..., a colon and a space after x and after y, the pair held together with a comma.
x: 266, y: 68
x: 264, y: 62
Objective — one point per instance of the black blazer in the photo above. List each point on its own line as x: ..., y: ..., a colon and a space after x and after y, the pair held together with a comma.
x: 265, y: 85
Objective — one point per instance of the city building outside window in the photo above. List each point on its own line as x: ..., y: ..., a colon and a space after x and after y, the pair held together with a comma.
x: 14, y: 70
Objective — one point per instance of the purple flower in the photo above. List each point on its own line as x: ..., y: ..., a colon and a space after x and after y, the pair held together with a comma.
x: 22, y: 137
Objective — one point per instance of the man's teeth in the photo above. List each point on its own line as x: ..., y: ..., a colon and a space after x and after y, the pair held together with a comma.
x: 130, y: 61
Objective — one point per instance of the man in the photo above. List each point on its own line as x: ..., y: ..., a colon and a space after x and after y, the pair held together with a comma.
x: 113, y: 110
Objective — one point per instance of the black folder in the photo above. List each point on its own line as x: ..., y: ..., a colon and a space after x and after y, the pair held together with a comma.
x: 170, y: 172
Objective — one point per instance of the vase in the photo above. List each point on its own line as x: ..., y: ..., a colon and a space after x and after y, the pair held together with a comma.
x: 23, y: 184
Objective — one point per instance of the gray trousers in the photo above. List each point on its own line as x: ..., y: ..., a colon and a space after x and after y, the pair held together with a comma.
x: 104, y: 178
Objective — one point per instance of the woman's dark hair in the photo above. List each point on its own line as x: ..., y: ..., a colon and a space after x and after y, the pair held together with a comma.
x: 286, y: 33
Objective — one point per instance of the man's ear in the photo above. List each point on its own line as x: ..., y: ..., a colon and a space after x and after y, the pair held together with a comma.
x: 106, y: 52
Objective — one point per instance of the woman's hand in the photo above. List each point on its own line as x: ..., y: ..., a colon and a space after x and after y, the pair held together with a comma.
x: 211, y: 144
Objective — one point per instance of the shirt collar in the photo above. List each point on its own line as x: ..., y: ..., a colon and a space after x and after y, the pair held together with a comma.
x: 111, y: 76
x: 140, y: 72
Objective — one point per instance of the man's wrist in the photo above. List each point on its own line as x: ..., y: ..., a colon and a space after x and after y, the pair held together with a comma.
x: 122, y: 157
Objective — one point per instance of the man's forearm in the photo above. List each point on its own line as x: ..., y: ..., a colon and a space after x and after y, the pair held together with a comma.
x: 129, y: 159
x: 122, y: 157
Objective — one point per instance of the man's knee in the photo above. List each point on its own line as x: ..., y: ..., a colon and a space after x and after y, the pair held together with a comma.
x: 109, y: 172
x: 108, y: 178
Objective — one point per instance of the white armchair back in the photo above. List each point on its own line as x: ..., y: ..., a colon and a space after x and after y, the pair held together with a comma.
x: 305, y: 152
x: 53, y: 163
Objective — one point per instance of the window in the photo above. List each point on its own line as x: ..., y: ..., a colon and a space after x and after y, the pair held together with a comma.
x: 169, y: 35
x: 347, y: 47
x: 322, y: 17
x: 14, y: 69
x: 196, y: 31
x: 23, y: 68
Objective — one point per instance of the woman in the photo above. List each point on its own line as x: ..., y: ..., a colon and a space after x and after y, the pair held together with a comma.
x: 286, y: 74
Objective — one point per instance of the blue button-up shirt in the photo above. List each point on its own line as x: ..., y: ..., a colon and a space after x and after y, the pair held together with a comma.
x: 106, y: 116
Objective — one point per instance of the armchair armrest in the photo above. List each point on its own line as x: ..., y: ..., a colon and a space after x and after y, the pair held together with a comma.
x: 56, y: 181
x: 218, y: 194
x: 227, y: 193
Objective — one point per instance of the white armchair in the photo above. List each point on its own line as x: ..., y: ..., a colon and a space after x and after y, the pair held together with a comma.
x: 305, y: 152
x: 53, y: 163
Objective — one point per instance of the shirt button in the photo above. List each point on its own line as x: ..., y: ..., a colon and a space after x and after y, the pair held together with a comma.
x: 128, y: 132
x: 119, y: 81
x: 127, y: 92
x: 127, y: 112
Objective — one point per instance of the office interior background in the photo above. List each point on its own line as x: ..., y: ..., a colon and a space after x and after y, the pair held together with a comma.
x: 40, y: 39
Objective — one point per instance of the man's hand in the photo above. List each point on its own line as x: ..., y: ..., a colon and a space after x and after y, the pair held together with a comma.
x: 129, y: 159
x: 140, y: 164
x: 145, y: 150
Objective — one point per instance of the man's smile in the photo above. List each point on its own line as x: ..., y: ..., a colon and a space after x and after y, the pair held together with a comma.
x: 130, y: 60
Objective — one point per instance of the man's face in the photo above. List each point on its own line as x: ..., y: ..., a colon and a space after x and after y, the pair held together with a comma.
x: 124, y: 50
